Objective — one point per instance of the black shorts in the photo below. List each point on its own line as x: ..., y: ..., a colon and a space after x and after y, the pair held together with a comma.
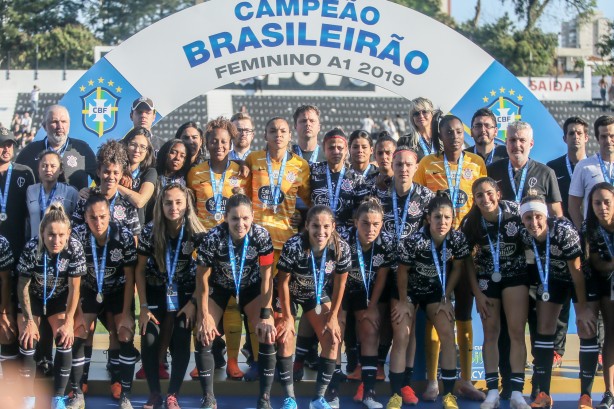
x: 221, y: 296
x: 354, y: 301
x: 560, y: 291
x: 56, y: 305
x: 424, y: 299
x: 494, y: 290
x: 113, y: 302
x: 597, y: 286
x: 156, y: 300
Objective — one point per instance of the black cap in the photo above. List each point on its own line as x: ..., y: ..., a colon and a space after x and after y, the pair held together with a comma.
x: 6, y: 135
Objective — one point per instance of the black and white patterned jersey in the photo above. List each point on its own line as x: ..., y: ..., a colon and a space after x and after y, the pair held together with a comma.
x: 564, y: 246
x: 7, y: 259
x: 347, y: 201
x: 596, y: 245
x: 70, y: 263
x: 214, y: 252
x: 383, y: 257
x: 419, y: 197
x: 124, y: 213
x: 511, y: 247
x: 184, y: 277
x: 295, y: 259
x: 415, y: 253
x: 121, y: 252
x: 367, y: 180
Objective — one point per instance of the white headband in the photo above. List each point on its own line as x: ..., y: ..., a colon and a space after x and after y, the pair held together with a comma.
x: 534, y: 206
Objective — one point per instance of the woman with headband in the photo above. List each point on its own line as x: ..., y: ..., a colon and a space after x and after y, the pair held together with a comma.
x: 499, y: 281
x: 553, y: 251
x: 50, y: 270
x: 597, y: 231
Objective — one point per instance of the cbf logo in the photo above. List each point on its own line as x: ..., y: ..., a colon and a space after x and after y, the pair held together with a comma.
x: 100, y: 104
x: 505, y: 104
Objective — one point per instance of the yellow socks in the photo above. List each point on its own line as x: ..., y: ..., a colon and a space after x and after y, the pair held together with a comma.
x: 464, y: 339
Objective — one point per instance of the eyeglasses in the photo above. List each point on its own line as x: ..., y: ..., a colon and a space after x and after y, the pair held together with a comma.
x: 486, y: 126
x: 136, y: 146
x: 245, y: 130
x: 424, y: 113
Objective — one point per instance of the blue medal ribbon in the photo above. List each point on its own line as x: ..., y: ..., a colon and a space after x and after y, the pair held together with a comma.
x: 55, y: 282
x: 43, y: 203
x: 510, y: 172
x: 318, y: 275
x: 275, y: 188
x: 490, y: 156
x: 608, y: 240
x: 399, y: 225
x: 495, y: 251
x: 136, y: 172
x: 366, y: 276
x: 5, y: 192
x: 441, y: 269
x: 218, y: 188
x: 171, y: 268
x: 314, y: 154
x: 544, y: 271
x: 112, y: 205
x: 426, y: 150
x: 235, y: 156
x: 607, y: 176
x: 333, y: 199
x: 99, y: 269
x: 366, y: 171
x: 60, y: 151
x: 237, y: 275
x: 454, y: 188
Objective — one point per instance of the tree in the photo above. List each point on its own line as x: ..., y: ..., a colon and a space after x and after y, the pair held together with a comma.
x: 532, y: 10
x: 605, y: 46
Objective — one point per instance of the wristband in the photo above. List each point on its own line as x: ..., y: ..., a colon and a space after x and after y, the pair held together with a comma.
x: 265, y: 313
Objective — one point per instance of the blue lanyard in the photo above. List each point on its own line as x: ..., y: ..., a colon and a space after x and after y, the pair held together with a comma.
x: 170, y: 269
x: 60, y: 151
x: 607, y: 176
x: 136, y: 172
x: 318, y: 275
x: 490, y: 157
x: 510, y: 172
x: 275, y: 188
x: 314, y: 154
x: 426, y: 150
x: 366, y: 276
x: 544, y: 271
x: 366, y: 172
x: 217, y: 189
x: 99, y: 269
x: 441, y: 269
x: 55, y: 282
x: 454, y: 189
x: 112, y: 205
x: 5, y: 192
x: 333, y: 200
x: 494, y: 251
x: 608, y: 240
x: 236, y: 275
x: 44, y: 203
x: 399, y: 225
x: 235, y: 156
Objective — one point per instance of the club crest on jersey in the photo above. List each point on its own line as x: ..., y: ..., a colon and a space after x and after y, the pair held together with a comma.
x: 511, y: 229
x: 329, y: 266
x: 119, y: 213
x: 234, y: 181
x: 467, y: 174
x: 116, y: 255
x: 100, y: 106
x: 291, y: 177
x: 414, y: 209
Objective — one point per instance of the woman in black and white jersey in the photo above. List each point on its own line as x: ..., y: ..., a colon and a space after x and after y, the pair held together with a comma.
x: 499, y: 280
x: 598, y: 233
x: 165, y: 280
x: 50, y: 270
x: 312, y: 272
x: 553, y: 254
x: 234, y: 260
x: 107, y: 289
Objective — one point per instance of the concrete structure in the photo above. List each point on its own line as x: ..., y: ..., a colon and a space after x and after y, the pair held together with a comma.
x: 579, y: 39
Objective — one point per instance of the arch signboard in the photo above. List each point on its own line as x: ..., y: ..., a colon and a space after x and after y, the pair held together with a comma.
x: 222, y: 41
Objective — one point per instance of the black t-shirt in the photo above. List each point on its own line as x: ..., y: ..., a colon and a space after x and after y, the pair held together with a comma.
x: 295, y: 259
x: 148, y: 175
x: 213, y: 252
x: 540, y: 180
x: 383, y: 256
x: 347, y: 201
x: 563, y: 178
x: 186, y: 264
x: 121, y: 252
x: 78, y: 159
x: 70, y: 263
x: 564, y: 246
x: 123, y: 213
x: 14, y: 227
x: 7, y: 260
x: 420, y: 197
x: 511, y: 247
x: 500, y: 152
x: 415, y: 253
